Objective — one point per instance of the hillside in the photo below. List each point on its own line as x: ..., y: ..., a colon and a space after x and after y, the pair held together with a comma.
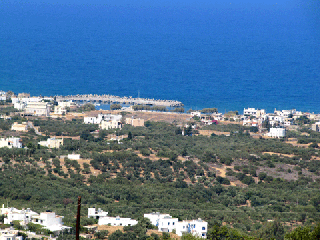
x: 237, y: 180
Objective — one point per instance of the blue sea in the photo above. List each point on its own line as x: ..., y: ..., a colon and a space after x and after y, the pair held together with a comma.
x: 225, y: 54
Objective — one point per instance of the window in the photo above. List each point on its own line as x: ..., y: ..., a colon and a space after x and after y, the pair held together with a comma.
x: 173, y: 223
x: 203, y: 228
x: 203, y: 234
x: 168, y: 223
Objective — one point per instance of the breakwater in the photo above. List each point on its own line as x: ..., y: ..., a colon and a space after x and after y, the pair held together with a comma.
x: 109, y: 99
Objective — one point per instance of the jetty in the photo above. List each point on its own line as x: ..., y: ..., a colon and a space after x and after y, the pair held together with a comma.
x: 110, y: 99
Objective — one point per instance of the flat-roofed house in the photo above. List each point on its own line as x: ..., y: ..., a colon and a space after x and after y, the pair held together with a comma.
x: 52, y: 143
x: 20, y: 127
x: 11, y: 142
x: 197, y: 228
x: 136, y: 122
x: 38, y: 108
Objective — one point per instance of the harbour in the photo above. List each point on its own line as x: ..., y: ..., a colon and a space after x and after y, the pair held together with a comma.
x: 109, y: 99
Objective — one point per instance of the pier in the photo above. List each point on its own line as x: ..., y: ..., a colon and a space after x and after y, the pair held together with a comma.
x: 109, y: 99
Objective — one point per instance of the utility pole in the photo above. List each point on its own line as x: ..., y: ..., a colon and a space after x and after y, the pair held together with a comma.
x: 78, y: 219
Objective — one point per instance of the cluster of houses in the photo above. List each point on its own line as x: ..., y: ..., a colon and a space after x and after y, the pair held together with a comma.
x: 15, y: 142
x: 110, y: 121
x: 38, y: 106
x: 48, y: 220
x: 278, y: 121
x: 54, y: 223
x: 164, y: 222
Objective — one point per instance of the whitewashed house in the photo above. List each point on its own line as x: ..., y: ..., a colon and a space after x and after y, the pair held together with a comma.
x: 277, y: 132
x: 285, y: 113
x: 254, y: 112
x: 38, y: 108
x: 9, y: 234
x: 196, y: 114
x: 74, y: 156
x: 316, y: 127
x: 20, y: 127
x: 20, y: 106
x: 135, y: 122
x: 117, y: 221
x: 11, y: 142
x: 164, y: 222
x: 96, y: 214
x: 102, y: 117
x: 52, y: 143
x: 25, y: 99
x: 3, y: 96
x: 90, y: 120
x: 12, y: 214
x: 195, y: 227
x: 250, y: 111
x: 110, y: 124
x: 217, y: 116
x: 59, y: 110
x: 50, y: 221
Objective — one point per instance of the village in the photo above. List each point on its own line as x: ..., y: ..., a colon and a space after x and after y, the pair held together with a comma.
x: 263, y: 124
x: 48, y: 225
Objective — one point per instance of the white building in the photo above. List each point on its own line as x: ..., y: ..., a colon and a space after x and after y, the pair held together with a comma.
x: 316, y: 127
x: 196, y: 113
x: 74, y: 156
x: 90, y: 120
x: 195, y: 227
x: 285, y: 113
x: 12, y: 214
x: 110, y: 124
x: 164, y: 222
x: 117, y: 221
x: 217, y: 116
x: 20, y: 106
x: 277, y: 132
x: 11, y: 142
x: 102, y: 117
x: 254, y: 112
x: 135, y: 122
x: 52, y: 143
x: 38, y: 108
x: 59, y: 110
x: 25, y: 99
x: 3, y: 96
x: 9, y: 234
x: 50, y: 221
x: 66, y: 104
x: 250, y: 111
x: 96, y: 214
x: 22, y: 127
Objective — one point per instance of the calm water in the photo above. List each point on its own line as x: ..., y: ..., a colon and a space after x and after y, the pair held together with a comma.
x: 229, y: 56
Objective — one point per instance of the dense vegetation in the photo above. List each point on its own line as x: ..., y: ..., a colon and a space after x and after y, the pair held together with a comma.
x: 156, y: 168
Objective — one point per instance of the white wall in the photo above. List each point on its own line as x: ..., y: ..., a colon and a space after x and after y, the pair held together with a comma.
x: 195, y: 227
x: 117, y: 221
